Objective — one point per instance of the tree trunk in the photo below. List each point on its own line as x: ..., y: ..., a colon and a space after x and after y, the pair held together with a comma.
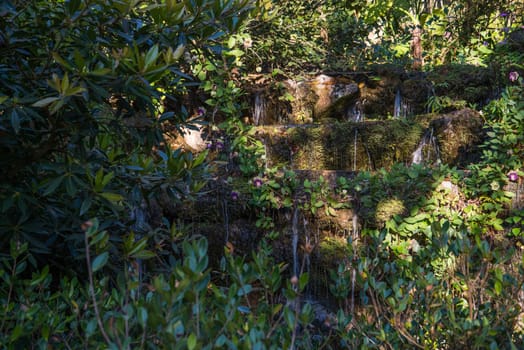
x: 416, y: 48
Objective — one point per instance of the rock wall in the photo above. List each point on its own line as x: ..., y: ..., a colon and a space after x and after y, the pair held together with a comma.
x: 371, y: 145
x: 382, y: 92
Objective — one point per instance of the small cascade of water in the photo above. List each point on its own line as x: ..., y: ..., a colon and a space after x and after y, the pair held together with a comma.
x: 355, y: 150
x: 430, y: 98
x: 259, y: 108
x: 355, y: 114
x: 294, y: 241
x: 308, y: 247
x: 401, y: 107
x: 430, y: 145
x: 225, y: 213
x: 398, y: 104
x: 354, y: 241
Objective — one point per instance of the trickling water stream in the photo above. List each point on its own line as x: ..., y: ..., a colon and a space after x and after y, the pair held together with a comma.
x: 429, y: 144
x: 398, y: 104
x: 356, y: 114
x: 355, y: 235
x: 355, y: 150
x: 401, y: 108
x: 294, y: 240
x: 225, y: 213
x: 307, y: 246
x: 259, y: 109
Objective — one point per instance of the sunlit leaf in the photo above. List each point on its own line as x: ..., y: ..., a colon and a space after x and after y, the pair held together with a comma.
x: 45, y: 102
x: 191, y: 341
x: 112, y: 197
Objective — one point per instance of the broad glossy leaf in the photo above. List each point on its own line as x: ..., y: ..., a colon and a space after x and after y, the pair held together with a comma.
x: 144, y: 254
x: 191, y: 341
x: 100, y: 261
x: 53, y: 185
x: 151, y: 57
x: 112, y: 197
x: 45, y: 102
x: 86, y: 204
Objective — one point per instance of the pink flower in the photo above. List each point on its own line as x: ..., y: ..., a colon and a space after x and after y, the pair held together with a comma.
x: 248, y: 43
x: 234, y: 195
x: 257, y: 182
x: 513, y: 176
x: 513, y: 76
x: 201, y: 111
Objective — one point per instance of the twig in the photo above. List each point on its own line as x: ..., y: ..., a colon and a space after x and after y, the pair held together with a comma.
x: 92, y: 292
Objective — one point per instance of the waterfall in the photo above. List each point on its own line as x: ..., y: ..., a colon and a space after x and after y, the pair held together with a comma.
x: 431, y: 96
x: 356, y: 112
x: 259, y: 108
x: 430, y: 144
x: 225, y: 212
x: 307, y: 245
x: 401, y: 107
x: 294, y: 240
x: 398, y: 104
x: 355, y: 150
x: 354, y: 239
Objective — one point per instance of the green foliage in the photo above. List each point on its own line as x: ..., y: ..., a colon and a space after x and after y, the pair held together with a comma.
x: 452, y: 291
x: 87, y: 90
x: 309, y: 35
x: 287, y: 36
x: 184, y: 309
x: 83, y: 114
x: 248, y: 151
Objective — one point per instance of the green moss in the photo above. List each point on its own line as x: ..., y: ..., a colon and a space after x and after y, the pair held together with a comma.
x: 338, y: 110
x: 459, y: 134
x: 354, y: 146
x: 372, y: 145
x: 388, y: 208
x: 472, y: 84
x: 333, y: 250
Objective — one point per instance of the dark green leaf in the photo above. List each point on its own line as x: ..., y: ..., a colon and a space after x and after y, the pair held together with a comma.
x: 53, y: 185
x: 15, y: 121
x: 100, y: 261
x: 86, y: 204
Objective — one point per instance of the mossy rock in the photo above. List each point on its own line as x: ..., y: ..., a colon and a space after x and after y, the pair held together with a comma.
x: 459, y: 135
x: 388, y: 208
x: 332, y: 250
x: 372, y: 145
x: 473, y: 84
x: 342, y: 109
x: 415, y: 92
x: 354, y: 146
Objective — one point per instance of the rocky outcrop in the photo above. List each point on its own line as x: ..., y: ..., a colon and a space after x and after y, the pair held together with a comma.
x: 371, y: 145
x: 382, y: 92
